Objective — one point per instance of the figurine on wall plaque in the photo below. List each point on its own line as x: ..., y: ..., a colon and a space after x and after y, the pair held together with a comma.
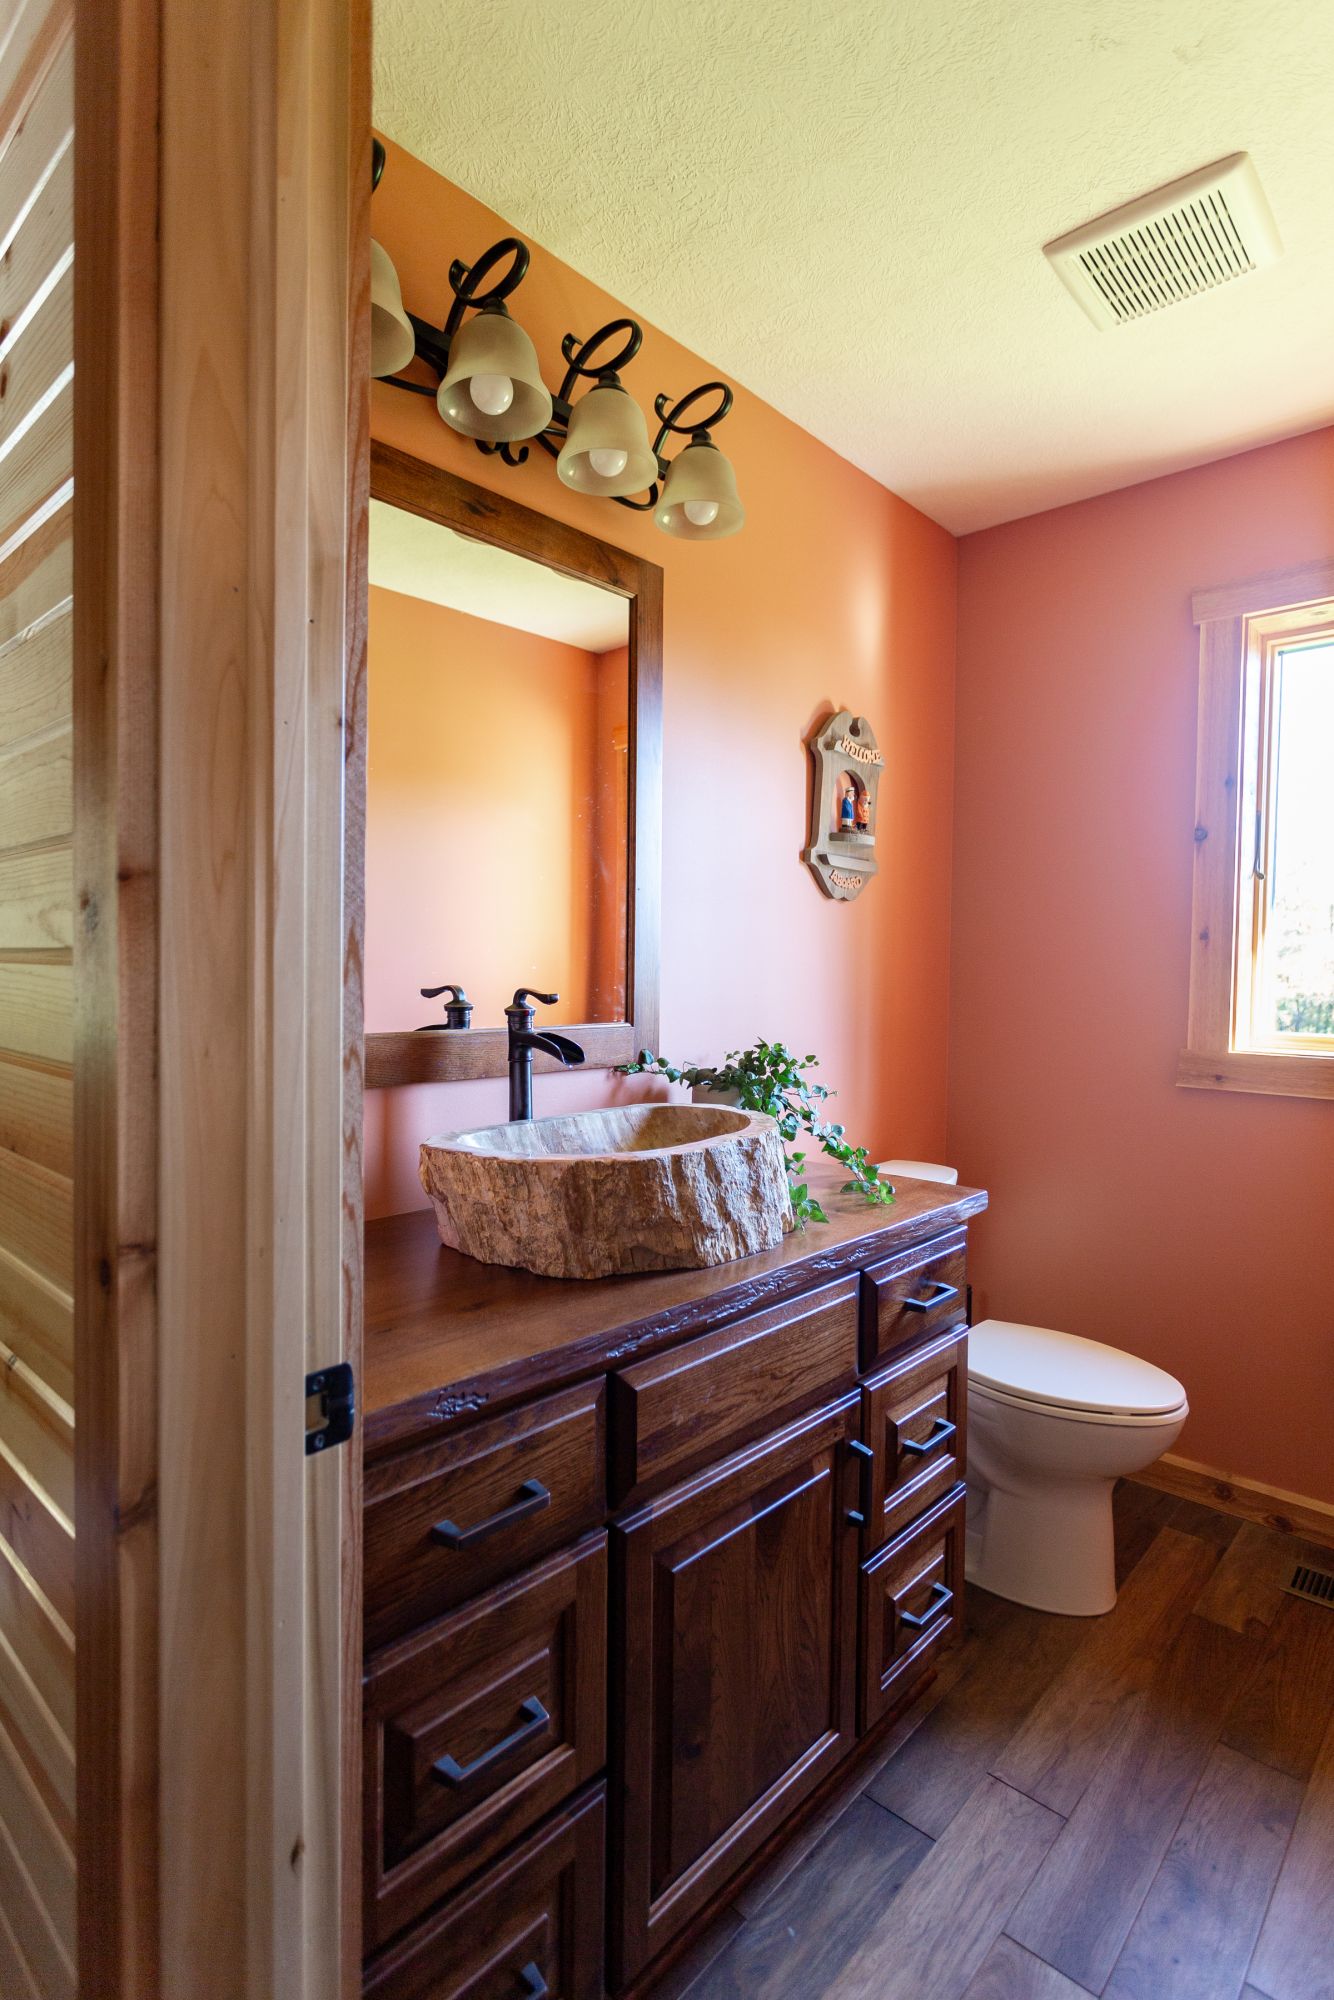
x: 848, y: 763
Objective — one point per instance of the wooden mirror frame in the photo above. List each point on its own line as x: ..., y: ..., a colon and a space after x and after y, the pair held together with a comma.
x: 458, y: 1055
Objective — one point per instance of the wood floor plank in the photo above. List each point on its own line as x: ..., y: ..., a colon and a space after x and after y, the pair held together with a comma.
x: 1080, y: 1907
x: 1294, y: 1959
x: 1280, y: 1718
x: 679, y: 1979
x: 1054, y: 1754
x: 1195, y: 1932
x: 807, y: 1932
x: 1138, y: 1512
x: 944, y: 1760
x: 1246, y: 1590
x: 1010, y: 1973
x: 1192, y: 1517
x: 937, y: 1932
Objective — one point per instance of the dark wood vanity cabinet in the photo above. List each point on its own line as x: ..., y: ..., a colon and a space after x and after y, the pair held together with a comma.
x: 622, y: 1626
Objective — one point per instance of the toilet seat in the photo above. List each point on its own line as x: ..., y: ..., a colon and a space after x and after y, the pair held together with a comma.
x: 1064, y: 1375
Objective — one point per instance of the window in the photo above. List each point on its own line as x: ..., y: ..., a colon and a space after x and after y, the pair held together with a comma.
x: 1262, y: 951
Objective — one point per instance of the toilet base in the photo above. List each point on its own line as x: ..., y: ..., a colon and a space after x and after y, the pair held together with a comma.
x: 1053, y: 1551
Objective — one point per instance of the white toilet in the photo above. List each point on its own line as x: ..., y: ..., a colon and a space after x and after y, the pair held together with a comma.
x: 1053, y: 1422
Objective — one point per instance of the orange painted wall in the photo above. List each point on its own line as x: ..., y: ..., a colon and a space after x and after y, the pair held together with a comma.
x: 482, y: 863
x: 1194, y: 1227
x: 835, y: 593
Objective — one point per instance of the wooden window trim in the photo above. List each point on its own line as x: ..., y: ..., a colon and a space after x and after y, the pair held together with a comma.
x: 1238, y: 624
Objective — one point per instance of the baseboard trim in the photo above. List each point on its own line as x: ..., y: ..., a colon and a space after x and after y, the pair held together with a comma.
x: 1289, y: 1513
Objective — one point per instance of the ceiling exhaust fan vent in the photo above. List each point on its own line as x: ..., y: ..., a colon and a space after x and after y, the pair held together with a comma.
x: 1189, y: 237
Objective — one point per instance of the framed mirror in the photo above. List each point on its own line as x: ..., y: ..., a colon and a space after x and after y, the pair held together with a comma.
x: 513, y: 801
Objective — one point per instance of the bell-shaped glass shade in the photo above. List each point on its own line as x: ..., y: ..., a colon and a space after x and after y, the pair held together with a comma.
x: 392, y: 341
x: 699, y: 500
x: 607, y: 449
x: 494, y: 388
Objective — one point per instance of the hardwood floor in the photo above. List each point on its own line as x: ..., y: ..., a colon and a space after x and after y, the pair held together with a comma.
x: 1139, y: 1806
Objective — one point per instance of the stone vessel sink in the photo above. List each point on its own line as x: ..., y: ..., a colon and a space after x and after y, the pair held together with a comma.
x: 645, y: 1187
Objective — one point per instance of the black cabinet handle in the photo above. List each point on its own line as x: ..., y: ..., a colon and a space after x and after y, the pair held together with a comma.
x: 865, y: 1457
x: 941, y: 1599
x: 939, y: 1290
x: 941, y: 1432
x: 534, y: 1985
x: 533, y: 1497
x: 450, y: 1772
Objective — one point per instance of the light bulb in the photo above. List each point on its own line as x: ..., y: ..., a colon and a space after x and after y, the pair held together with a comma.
x: 701, y: 513
x: 491, y: 393
x: 607, y: 462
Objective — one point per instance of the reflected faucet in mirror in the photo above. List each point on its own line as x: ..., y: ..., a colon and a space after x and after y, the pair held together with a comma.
x: 525, y: 1041
x: 458, y: 1008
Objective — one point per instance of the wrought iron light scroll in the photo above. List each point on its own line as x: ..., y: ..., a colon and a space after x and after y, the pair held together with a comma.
x: 488, y: 385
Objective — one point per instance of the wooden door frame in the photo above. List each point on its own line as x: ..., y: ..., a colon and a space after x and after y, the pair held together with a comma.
x: 115, y: 1089
x: 221, y: 415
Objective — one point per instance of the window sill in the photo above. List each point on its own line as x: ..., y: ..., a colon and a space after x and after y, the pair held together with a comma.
x: 1269, y: 1075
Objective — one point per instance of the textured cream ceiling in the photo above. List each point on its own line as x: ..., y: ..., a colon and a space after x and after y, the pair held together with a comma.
x: 419, y: 558
x: 842, y: 204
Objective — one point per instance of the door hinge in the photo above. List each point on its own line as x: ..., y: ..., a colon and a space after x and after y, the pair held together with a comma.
x: 333, y: 1392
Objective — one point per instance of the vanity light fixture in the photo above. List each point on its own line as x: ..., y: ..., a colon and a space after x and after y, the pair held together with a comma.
x: 489, y: 387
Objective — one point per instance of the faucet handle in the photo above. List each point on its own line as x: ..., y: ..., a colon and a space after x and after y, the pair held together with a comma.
x: 526, y: 993
x: 458, y: 1007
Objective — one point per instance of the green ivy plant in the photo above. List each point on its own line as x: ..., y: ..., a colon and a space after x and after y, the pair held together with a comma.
x: 768, y: 1077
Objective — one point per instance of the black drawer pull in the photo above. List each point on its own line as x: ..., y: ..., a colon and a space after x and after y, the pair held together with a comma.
x: 941, y: 1432
x: 533, y: 1497
x: 940, y: 1291
x: 534, y: 1985
x: 941, y: 1599
x: 450, y: 1772
x: 861, y: 1513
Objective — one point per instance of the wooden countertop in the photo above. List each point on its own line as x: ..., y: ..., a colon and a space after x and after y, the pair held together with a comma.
x: 448, y: 1338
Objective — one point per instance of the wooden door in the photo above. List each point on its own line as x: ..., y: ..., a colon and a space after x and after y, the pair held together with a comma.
x: 222, y: 184
x: 735, y: 1680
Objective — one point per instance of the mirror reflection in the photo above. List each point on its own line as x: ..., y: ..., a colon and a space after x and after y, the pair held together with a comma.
x: 497, y: 783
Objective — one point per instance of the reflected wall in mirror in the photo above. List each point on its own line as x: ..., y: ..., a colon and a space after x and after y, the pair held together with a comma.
x: 509, y: 780
x: 497, y: 791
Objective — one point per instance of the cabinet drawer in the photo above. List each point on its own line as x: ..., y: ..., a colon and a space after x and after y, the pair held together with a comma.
x: 531, y: 1925
x: 443, y: 1523
x: 478, y: 1726
x: 909, y: 1297
x: 912, y: 1605
x: 914, y: 1419
x: 708, y: 1395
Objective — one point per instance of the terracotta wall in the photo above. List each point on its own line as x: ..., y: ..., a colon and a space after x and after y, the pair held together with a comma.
x: 836, y: 593
x: 1194, y: 1227
x: 485, y: 864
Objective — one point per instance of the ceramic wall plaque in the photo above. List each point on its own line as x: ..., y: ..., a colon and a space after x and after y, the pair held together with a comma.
x: 844, y: 801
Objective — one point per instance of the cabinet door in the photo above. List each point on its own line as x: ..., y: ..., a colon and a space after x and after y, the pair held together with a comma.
x: 736, y: 1667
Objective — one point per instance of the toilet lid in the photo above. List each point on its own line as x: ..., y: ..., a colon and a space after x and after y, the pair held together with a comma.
x: 1040, y: 1365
